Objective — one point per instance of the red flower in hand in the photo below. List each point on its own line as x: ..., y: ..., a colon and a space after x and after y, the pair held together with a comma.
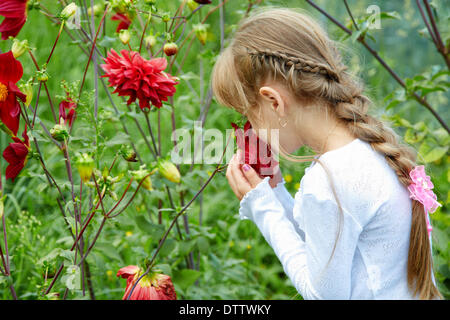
x: 156, y: 286
x: 124, y: 23
x: 10, y: 72
x: 257, y: 153
x: 15, y: 13
x: 135, y: 77
x: 16, y: 155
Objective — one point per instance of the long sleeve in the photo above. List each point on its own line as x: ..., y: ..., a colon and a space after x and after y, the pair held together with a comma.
x: 305, y: 261
x: 288, y: 202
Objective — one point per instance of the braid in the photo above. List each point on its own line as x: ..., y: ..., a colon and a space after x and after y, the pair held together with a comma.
x: 300, y: 64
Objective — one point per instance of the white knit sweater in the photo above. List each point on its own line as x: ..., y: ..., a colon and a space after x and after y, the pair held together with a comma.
x: 370, y: 258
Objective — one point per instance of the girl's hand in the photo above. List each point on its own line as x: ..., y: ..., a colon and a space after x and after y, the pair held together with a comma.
x: 242, y: 178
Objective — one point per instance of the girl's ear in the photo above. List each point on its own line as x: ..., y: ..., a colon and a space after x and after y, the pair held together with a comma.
x: 274, y: 99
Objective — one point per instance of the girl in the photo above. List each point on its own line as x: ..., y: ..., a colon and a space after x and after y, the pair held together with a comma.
x: 352, y: 230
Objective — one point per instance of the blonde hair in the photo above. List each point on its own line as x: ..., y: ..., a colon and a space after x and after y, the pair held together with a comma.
x: 287, y: 45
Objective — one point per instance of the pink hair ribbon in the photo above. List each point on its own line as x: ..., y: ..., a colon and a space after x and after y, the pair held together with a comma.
x: 420, y: 190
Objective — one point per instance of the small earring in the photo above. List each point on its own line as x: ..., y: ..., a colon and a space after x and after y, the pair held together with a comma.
x: 282, y: 124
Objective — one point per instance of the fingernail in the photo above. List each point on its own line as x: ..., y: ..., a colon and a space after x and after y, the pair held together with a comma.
x: 246, y: 167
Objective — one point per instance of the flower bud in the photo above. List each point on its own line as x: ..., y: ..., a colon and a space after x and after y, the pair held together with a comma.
x: 42, y: 75
x: 128, y: 154
x: 124, y: 36
x: 59, y: 131
x: 192, y: 5
x: 141, y: 174
x: 169, y: 171
x: 97, y: 10
x: 69, y: 11
x: 201, y: 32
x: 27, y: 89
x: 150, y: 41
x: 19, y: 47
x: 165, y: 17
x: 85, y: 166
x: 170, y: 48
x: 120, y: 6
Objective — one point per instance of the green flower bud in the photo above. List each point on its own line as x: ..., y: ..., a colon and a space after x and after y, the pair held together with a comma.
x: 169, y: 171
x: 27, y: 89
x: 141, y: 174
x: 150, y: 41
x: 69, y: 11
x: 201, y: 32
x: 19, y: 47
x: 97, y: 10
x: 85, y: 166
x: 125, y: 36
x: 59, y: 132
x: 128, y: 154
x: 42, y: 75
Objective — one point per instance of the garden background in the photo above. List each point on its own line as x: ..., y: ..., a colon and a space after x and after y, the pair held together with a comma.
x: 209, y: 253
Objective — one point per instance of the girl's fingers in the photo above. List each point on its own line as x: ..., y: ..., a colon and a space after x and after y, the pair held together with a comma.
x: 242, y: 185
x: 251, y: 175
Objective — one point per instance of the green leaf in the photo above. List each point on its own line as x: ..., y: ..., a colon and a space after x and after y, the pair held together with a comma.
x: 390, y: 15
x: 168, y: 247
x: 184, y: 247
x: 435, y: 154
x: 202, y: 244
x: 155, y: 231
x: 108, y: 250
x: 72, y: 278
x: 185, y: 278
x: 118, y: 139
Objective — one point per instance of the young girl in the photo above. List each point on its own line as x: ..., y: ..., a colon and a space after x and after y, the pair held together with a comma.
x: 355, y: 229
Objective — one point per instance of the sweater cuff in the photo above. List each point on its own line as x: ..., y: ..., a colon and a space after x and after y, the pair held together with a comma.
x: 250, y: 199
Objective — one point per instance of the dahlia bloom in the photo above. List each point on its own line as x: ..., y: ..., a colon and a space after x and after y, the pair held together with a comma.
x: 257, y: 153
x: 67, y: 105
x: 153, y: 286
x: 10, y: 72
x: 15, y: 13
x: 16, y: 155
x: 135, y: 77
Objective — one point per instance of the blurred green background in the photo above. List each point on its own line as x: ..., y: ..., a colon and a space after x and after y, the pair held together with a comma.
x: 234, y: 261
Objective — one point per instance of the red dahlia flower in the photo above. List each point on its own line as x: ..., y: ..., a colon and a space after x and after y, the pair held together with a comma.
x: 124, y: 23
x: 10, y: 72
x: 16, y: 155
x: 133, y: 76
x: 15, y: 13
x: 67, y: 105
x: 156, y: 286
x: 257, y: 153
